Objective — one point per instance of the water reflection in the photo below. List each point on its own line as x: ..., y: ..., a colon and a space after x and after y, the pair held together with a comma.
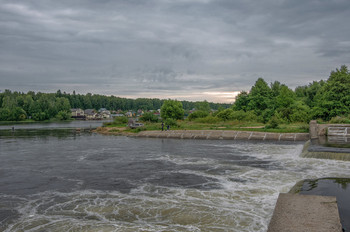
x: 54, y: 125
x: 42, y: 133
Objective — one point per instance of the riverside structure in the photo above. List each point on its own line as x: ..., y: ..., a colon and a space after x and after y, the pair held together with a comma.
x: 225, y: 134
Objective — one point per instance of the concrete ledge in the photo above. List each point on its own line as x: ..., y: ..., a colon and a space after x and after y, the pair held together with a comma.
x: 225, y: 134
x: 297, y: 213
x: 324, y: 153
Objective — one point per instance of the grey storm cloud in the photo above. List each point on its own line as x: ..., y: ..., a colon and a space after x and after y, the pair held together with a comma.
x: 169, y: 49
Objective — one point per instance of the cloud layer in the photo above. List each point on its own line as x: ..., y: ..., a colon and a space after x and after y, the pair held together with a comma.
x: 184, y: 49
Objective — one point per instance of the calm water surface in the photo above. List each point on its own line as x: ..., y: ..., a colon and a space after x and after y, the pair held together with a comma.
x: 60, y: 180
x: 55, y: 125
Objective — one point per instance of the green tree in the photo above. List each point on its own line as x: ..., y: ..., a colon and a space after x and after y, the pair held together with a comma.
x: 198, y: 114
x: 260, y: 96
x: 202, y: 106
x: 225, y: 114
x: 149, y: 117
x: 285, y: 98
x: 308, y: 93
x: 242, y: 101
x: 334, y: 97
x: 63, y: 115
x: 172, y: 109
x: 9, y: 102
x: 276, y: 88
x: 5, y: 114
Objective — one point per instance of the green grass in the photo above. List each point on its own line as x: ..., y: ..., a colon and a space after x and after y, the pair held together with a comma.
x: 228, y: 125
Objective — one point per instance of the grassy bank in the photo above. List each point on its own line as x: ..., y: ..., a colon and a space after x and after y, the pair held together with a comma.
x: 228, y: 125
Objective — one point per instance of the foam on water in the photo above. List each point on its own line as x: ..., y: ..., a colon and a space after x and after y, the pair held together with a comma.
x: 186, y: 186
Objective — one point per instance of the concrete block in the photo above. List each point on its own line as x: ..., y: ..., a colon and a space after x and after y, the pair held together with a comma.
x: 294, y: 212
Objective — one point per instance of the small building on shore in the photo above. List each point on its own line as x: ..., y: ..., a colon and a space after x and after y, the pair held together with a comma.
x: 90, y: 114
x: 77, y: 113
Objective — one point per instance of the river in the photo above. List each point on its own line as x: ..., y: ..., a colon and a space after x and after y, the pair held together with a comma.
x: 64, y: 180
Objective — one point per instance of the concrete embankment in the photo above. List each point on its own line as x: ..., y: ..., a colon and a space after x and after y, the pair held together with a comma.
x: 321, y: 152
x: 225, y: 134
x: 295, y: 212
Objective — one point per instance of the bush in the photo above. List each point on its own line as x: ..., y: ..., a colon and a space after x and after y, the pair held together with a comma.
x: 171, y: 122
x: 209, y: 119
x: 63, y: 115
x: 241, y: 115
x: 149, y: 117
x: 140, y: 129
x: 300, y: 116
x: 40, y: 116
x: 273, y: 123
x: 121, y: 120
x: 198, y: 114
x: 340, y: 119
x: 305, y: 128
x: 225, y: 114
x: 266, y: 115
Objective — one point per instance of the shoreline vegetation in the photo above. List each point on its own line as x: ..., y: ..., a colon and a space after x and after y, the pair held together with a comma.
x: 266, y: 107
x: 115, y: 127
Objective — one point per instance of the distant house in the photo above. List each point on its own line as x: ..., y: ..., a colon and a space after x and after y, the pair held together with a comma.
x: 117, y: 115
x: 157, y: 114
x: 77, y: 113
x: 140, y: 112
x: 101, y: 110
x: 105, y: 114
x: 90, y: 114
x: 129, y: 114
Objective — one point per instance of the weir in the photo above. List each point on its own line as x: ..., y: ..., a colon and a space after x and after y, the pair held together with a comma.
x: 319, y: 130
x: 328, y: 141
x: 225, y: 134
x: 295, y: 212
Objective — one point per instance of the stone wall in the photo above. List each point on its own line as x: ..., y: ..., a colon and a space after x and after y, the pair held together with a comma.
x: 317, y: 130
x: 225, y: 134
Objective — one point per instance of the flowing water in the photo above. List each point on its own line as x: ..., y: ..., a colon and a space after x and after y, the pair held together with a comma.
x: 61, y: 180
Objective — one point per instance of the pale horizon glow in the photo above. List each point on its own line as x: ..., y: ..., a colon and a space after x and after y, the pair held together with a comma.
x: 216, y: 97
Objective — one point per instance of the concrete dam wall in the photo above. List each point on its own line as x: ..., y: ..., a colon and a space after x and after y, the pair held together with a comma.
x: 225, y: 134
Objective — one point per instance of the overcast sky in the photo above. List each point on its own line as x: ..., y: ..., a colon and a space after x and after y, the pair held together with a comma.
x: 183, y: 49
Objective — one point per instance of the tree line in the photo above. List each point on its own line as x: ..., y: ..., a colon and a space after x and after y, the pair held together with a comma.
x: 323, y: 100
x: 18, y: 106
x: 277, y: 103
